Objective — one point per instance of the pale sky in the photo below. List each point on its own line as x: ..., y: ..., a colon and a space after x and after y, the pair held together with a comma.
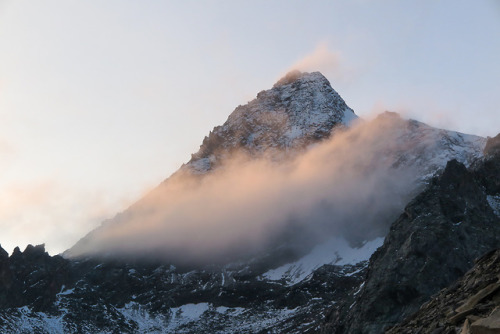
x: 101, y: 100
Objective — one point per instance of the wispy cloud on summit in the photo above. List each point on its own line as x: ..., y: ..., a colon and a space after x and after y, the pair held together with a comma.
x: 322, y: 59
x: 325, y: 60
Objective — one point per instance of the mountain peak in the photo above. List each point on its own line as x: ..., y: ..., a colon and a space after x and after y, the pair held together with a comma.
x: 300, y: 109
x: 296, y: 75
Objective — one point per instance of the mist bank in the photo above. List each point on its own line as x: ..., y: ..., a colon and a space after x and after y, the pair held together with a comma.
x: 353, y: 185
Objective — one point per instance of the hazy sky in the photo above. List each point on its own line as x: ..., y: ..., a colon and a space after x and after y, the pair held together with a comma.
x: 102, y: 100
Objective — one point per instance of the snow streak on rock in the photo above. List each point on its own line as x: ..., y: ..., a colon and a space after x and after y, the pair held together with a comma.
x: 334, y: 251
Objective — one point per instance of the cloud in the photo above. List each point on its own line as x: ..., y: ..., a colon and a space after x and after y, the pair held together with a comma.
x: 424, y: 109
x: 321, y: 59
x: 344, y: 186
x: 49, y: 212
x: 325, y: 60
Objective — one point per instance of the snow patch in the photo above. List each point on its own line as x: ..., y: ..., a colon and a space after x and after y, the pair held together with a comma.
x: 187, y: 313
x: 200, y: 166
x: 28, y: 322
x: 146, y: 322
x: 334, y: 251
x: 494, y: 202
x: 294, y: 132
x: 233, y: 311
x: 66, y: 292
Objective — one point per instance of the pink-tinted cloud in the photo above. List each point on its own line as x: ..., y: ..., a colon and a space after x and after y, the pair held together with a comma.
x: 321, y: 59
x: 344, y: 186
x: 36, y: 212
x: 327, y: 61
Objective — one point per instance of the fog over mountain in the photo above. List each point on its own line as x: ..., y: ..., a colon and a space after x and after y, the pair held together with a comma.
x: 351, y: 184
x: 341, y: 186
x: 294, y: 216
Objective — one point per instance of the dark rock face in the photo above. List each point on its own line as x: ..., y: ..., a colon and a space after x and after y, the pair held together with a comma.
x: 434, y: 242
x: 470, y: 305
x: 45, y: 294
x: 31, y: 277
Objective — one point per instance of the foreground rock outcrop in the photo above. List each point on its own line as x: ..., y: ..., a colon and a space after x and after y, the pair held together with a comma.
x: 469, y: 306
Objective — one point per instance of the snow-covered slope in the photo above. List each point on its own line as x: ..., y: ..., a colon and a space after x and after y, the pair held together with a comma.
x: 423, y: 148
x: 432, y: 148
x: 335, y: 251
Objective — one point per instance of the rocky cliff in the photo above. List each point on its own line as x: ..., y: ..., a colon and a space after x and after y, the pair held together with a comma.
x: 469, y: 306
x: 434, y: 242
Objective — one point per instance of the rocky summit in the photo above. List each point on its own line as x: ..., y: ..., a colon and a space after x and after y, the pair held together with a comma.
x: 388, y: 278
x: 301, y: 108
